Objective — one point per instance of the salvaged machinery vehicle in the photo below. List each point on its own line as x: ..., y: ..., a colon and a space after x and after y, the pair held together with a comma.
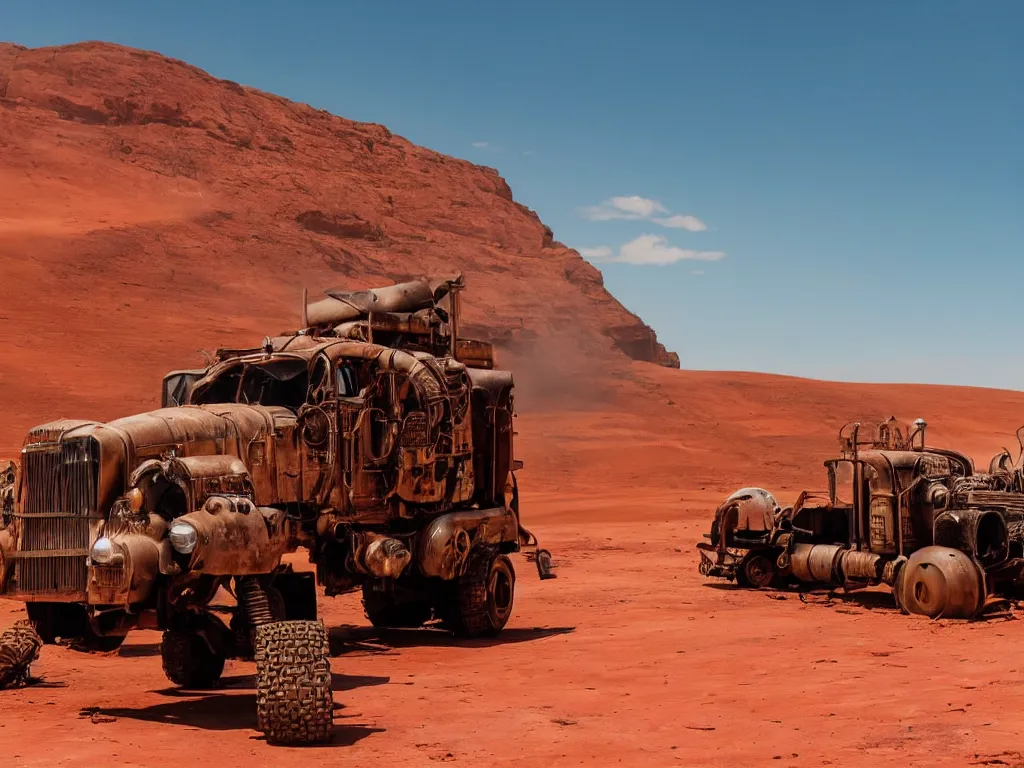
x: 949, y: 541
x: 375, y: 438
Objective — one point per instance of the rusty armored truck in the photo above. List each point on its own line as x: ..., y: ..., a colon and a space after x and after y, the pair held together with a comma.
x: 948, y: 540
x: 375, y: 438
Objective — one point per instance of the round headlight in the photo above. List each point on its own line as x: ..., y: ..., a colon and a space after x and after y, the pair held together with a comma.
x: 183, y: 538
x: 103, y: 551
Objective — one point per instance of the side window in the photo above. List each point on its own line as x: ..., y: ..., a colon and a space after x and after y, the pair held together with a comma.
x: 177, y: 388
x: 319, y: 382
x: 348, y: 385
x: 841, y: 482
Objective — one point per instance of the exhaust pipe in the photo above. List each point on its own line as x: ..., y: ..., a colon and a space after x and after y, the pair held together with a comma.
x: 835, y: 564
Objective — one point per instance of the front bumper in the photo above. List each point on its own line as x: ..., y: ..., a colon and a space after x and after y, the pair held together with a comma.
x: 723, y: 565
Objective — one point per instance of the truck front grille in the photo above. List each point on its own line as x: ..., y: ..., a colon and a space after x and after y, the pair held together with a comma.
x: 61, y: 575
x: 108, y: 578
x: 59, y: 498
x: 54, y: 533
x: 61, y: 478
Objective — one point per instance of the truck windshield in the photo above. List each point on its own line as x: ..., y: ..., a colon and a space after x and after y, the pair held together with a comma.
x: 281, y: 382
x: 276, y: 382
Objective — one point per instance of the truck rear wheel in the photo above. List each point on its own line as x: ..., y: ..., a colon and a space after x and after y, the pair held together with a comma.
x: 391, y: 610
x: 294, y: 701
x: 484, y: 594
x: 188, y: 661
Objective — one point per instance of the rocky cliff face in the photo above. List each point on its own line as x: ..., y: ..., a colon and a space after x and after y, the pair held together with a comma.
x: 139, y: 189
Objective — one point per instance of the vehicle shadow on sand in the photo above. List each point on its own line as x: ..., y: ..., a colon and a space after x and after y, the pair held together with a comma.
x: 226, y: 710
x: 138, y: 650
x: 349, y: 638
x: 866, y: 599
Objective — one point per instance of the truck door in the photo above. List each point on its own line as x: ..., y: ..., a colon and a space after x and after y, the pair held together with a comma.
x: 354, y: 486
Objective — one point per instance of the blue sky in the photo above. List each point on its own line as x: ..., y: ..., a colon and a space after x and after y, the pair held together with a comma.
x: 854, y: 170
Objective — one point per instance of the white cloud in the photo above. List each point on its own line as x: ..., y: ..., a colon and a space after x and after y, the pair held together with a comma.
x: 652, y: 249
x: 649, y: 250
x: 600, y: 213
x: 636, y: 208
x: 629, y: 208
x: 641, y: 207
x: 679, y: 221
x: 481, y: 144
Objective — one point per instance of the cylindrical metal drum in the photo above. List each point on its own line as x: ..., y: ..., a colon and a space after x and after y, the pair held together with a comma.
x: 815, y: 562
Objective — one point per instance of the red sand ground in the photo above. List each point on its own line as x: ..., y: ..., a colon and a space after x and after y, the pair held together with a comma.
x: 118, y: 265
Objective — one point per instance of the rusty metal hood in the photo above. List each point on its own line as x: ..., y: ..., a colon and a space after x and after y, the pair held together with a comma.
x: 227, y: 422
x: 168, y: 427
x: 118, y: 447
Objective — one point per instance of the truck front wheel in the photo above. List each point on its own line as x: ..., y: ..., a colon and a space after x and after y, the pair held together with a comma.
x: 189, y: 661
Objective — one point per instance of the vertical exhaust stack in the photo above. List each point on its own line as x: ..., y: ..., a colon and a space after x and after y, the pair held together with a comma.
x: 918, y: 434
x: 453, y: 318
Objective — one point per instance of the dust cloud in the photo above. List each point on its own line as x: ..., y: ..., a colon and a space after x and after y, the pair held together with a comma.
x: 556, y: 373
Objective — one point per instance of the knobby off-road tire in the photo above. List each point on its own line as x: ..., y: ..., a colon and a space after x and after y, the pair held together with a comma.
x: 188, y: 660
x: 294, y: 702
x: 386, y: 610
x: 19, y: 647
x: 483, y: 596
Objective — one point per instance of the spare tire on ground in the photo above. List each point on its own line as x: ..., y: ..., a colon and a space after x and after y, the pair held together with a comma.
x: 19, y: 647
